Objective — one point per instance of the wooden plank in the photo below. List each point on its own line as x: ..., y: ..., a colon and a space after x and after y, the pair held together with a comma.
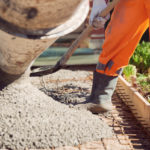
x: 136, y: 101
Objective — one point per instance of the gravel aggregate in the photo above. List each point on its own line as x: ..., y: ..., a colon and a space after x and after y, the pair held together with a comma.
x: 31, y: 119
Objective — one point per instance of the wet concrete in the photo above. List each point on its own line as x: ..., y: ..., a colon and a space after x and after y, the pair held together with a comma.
x: 71, y: 88
x: 31, y: 119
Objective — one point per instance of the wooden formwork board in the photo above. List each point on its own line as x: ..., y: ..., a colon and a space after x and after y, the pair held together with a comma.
x: 137, y: 103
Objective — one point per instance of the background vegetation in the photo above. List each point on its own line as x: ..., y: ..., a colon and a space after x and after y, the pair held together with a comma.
x: 139, y: 68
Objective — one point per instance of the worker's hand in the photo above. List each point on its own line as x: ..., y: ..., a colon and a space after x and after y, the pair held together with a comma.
x: 99, y: 22
x: 98, y: 6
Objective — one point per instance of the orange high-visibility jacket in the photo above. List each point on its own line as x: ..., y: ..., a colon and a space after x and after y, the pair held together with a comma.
x: 129, y: 21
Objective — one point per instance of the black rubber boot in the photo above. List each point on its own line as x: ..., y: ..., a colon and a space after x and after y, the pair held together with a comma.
x: 102, y: 90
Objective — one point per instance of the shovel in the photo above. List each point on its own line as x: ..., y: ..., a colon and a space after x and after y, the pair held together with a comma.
x: 48, y: 69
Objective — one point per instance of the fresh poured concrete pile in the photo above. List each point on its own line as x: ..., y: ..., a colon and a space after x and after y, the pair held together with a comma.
x: 69, y: 87
x: 31, y: 119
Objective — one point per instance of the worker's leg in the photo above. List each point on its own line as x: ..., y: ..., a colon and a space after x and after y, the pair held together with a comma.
x: 128, y: 23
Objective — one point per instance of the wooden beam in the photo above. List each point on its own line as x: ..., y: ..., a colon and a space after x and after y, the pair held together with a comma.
x: 138, y: 104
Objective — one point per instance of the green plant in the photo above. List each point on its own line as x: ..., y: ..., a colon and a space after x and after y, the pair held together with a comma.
x: 129, y: 71
x: 141, y: 57
x: 143, y: 80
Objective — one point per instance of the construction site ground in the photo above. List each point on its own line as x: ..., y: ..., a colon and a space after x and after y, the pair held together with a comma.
x: 129, y: 134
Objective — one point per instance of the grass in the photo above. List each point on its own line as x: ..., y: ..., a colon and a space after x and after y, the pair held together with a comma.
x: 143, y: 81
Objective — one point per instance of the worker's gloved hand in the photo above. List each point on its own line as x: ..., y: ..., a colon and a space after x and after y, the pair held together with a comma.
x: 98, y: 6
x: 99, y: 22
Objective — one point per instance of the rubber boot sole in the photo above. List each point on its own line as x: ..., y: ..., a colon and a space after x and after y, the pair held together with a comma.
x: 94, y: 108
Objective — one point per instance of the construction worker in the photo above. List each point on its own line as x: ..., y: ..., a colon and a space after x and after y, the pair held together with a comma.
x: 129, y: 21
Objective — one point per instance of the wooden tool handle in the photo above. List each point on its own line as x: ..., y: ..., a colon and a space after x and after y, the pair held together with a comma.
x: 62, y: 61
x: 109, y: 7
x: 75, y: 45
x: 83, y: 35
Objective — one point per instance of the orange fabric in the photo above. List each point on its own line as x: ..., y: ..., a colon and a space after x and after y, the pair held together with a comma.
x: 129, y: 21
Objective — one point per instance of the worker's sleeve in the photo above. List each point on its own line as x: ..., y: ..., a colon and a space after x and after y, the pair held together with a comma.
x: 98, y: 6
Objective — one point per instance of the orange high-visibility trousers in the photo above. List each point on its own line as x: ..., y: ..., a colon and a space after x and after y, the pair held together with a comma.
x: 129, y: 21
